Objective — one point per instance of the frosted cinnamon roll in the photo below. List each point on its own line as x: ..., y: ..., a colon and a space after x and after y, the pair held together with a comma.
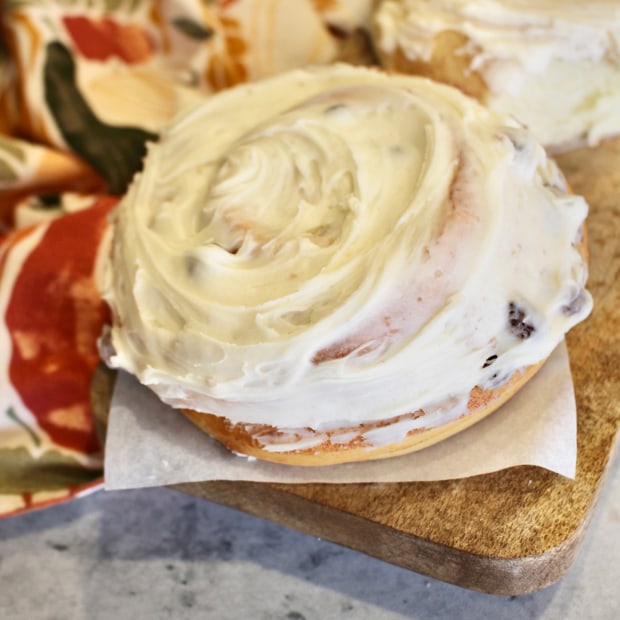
x: 338, y: 264
x: 553, y: 64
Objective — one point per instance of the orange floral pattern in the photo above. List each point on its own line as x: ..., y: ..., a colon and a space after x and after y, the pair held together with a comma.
x: 101, y: 39
x: 84, y: 86
x: 226, y: 66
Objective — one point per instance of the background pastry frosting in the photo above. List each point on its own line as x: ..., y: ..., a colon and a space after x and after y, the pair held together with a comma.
x: 531, y: 56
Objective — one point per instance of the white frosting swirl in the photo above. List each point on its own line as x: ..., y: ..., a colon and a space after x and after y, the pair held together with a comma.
x: 553, y: 64
x: 337, y: 245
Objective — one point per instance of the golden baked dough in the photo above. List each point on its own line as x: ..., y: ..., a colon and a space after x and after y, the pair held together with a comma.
x: 450, y: 62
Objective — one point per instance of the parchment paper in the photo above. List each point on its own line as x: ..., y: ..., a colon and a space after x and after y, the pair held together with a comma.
x: 150, y: 444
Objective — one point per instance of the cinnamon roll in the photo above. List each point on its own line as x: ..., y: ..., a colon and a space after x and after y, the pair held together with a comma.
x: 554, y: 64
x: 338, y: 264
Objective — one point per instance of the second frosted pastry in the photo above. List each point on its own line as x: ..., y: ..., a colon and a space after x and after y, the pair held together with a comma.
x: 553, y: 64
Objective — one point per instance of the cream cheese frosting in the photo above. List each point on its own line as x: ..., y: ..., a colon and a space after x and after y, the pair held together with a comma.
x: 338, y: 245
x: 553, y: 64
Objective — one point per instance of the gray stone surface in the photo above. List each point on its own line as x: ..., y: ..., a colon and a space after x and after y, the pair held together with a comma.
x: 158, y: 553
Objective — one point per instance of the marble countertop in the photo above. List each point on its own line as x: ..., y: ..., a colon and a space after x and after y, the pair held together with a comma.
x: 157, y: 553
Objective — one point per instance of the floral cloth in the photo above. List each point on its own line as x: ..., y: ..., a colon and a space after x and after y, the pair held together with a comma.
x: 84, y: 86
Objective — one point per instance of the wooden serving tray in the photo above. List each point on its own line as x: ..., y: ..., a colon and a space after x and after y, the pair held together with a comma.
x: 509, y: 532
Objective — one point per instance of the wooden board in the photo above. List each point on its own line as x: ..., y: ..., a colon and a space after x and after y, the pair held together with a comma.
x: 509, y: 532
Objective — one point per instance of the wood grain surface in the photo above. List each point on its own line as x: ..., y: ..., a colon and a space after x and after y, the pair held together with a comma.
x: 509, y: 532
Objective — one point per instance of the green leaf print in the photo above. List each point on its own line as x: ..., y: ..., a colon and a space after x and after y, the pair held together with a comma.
x: 9, y: 150
x: 116, y: 152
x: 107, y: 6
x: 192, y: 29
x: 6, y: 172
x: 10, y: 412
x: 12, y: 148
x: 20, y: 472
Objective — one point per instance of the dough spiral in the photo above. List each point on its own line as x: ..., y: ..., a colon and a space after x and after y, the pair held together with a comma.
x: 336, y: 259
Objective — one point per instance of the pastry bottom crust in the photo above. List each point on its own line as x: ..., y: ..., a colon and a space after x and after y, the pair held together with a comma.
x: 250, y: 439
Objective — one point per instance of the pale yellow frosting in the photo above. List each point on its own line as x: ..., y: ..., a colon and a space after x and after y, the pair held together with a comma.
x: 336, y: 245
x: 553, y: 64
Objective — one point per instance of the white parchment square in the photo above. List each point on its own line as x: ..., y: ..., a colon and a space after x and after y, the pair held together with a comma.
x: 150, y: 444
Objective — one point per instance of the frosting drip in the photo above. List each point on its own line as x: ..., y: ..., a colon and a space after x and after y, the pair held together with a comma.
x: 336, y: 246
